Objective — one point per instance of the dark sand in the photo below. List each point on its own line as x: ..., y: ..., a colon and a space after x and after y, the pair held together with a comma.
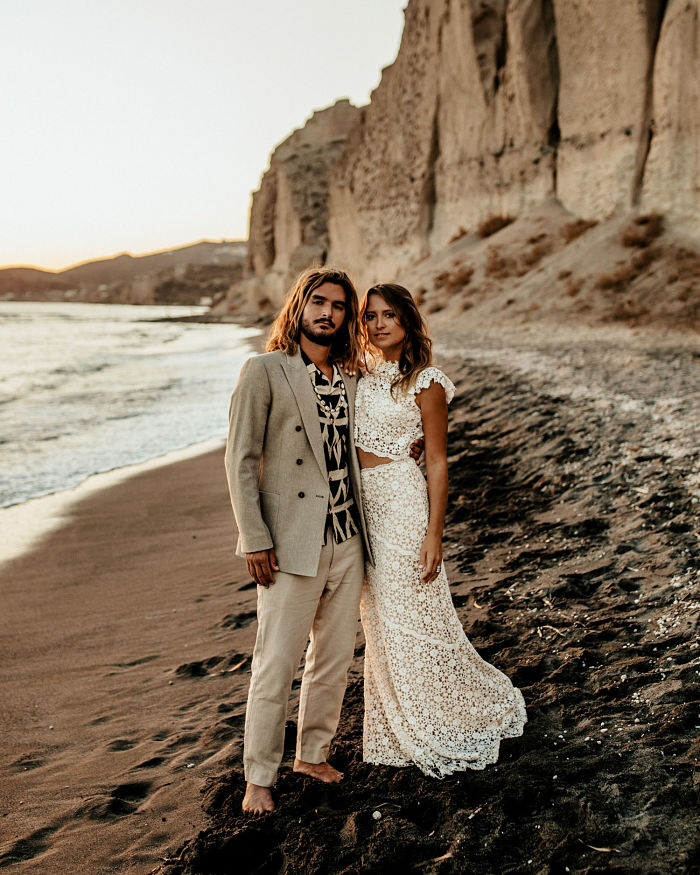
x: 120, y: 634
x: 572, y: 541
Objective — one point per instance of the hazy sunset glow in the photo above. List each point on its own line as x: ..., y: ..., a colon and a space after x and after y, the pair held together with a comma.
x: 133, y: 125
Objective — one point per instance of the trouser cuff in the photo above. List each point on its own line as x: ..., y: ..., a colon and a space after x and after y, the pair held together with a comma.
x: 310, y: 755
x: 260, y: 775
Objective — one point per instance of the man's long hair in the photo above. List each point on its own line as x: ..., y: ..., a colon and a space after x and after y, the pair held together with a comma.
x: 286, y: 329
x: 416, y: 353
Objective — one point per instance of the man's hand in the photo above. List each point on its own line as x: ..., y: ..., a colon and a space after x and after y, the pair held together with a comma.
x: 261, y: 566
x: 416, y: 449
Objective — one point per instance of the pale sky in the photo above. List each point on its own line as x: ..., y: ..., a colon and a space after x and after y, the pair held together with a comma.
x: 135, y: 125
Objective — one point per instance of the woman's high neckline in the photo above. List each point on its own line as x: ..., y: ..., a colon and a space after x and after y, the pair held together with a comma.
x: 385, y: 368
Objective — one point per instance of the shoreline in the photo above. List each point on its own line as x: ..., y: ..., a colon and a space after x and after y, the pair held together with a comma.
x: 123, y: 630
x: 26, y: 523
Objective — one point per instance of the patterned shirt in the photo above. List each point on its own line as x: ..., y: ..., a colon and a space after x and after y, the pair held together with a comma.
x: 332, y: 405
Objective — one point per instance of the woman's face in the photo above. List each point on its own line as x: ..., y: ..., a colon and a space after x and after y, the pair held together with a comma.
x: 383, y: 327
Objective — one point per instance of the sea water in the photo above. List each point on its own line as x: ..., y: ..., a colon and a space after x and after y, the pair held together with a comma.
x: 87, y: 388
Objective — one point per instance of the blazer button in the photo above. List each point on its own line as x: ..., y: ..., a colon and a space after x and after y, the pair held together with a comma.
x: 301, y: 495
x: 298, y: 428
x: 299, y: 461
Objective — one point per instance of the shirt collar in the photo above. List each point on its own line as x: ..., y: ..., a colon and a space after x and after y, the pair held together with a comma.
x: 336, y: 372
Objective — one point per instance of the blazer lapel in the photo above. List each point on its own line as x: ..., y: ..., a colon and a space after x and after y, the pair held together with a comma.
x: 300, y: 383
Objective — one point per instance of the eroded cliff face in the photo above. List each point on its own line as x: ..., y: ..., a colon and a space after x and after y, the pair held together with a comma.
x: 460, y: 127
x: 491, y: 107
x: 606, y: 54
x: 671, y: 180
x: 289, y: 212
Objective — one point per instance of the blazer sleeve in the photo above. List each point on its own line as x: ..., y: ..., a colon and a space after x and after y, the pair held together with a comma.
x: 250, y: 404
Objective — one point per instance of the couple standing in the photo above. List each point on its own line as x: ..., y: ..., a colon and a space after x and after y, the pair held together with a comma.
x: 327, y: 496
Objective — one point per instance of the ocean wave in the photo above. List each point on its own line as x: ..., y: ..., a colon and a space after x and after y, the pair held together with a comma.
x: 92, y: 392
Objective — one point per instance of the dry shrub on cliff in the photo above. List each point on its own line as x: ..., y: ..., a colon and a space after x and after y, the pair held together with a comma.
x: 643, y: 259
x: 686, y: 265
x: 537, y: 253
x: 457, y: 279
x: 460, y: 278
x: 499, y: 266
x: 622, y: 276
x: 616, y: 280
x: 462, y: 232
x: 494, y: 223
x: 441, y: 279
x: 643, y: 230
x: 572, y: 230
x: 564, y: 274
x: 686, y: 293
x: 574, y: 286
x: 628, y: 309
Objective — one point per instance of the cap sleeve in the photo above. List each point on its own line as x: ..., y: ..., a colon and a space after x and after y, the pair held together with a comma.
x: 434, y: 375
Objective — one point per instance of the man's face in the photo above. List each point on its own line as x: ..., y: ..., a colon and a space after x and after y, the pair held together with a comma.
x: 324, y: 314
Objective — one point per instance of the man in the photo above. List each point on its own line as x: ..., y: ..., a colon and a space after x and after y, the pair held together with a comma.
x: 295, y: 488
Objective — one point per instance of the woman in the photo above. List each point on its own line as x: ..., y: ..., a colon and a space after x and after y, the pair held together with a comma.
x: 430, y: 700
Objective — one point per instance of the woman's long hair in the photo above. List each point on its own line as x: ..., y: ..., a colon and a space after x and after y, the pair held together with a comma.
x: 286, y: 329
x: 417, y: 345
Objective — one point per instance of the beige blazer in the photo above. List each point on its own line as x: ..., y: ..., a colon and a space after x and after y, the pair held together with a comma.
x: 276, y: 465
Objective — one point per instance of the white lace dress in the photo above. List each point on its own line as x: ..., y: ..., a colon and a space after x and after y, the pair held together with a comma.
x: 430, y: 699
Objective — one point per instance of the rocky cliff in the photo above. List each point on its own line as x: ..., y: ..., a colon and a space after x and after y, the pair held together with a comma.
x: 492, y: 107
x: 289, y: 212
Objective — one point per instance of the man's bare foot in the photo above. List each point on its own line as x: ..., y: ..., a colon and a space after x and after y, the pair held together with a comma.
x: 257, y: 799
x: 321, y: 771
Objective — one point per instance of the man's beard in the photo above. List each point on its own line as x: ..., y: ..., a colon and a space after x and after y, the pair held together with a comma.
x: 315, y: 336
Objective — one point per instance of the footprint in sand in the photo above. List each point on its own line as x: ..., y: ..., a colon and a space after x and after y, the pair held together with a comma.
x: 250, y: 585
x: 134, y: 662
x: 30, y: 846
x: 28, y: 761
x: 225, y: 730
x: 123, y: 800
x: 238, y: 621
x: 122, y: 744
x: 199, y: 668
x: 151, y: 763
x: 180, y: 741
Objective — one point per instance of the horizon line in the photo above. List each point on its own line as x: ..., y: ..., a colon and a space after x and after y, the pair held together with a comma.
x: 119, y: 254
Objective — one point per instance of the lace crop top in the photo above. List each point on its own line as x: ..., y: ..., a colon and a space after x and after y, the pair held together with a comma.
x: 388, y: 426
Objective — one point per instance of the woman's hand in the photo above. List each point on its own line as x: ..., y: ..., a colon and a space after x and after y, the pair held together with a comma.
x: 430, y: 558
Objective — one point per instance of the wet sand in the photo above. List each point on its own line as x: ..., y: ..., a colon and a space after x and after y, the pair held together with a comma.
x: 572, y: 543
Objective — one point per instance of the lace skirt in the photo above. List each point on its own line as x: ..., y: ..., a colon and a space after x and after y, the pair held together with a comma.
x: 430, y: 699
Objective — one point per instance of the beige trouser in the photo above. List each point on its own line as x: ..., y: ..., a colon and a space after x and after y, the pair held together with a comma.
x: 325, y: 609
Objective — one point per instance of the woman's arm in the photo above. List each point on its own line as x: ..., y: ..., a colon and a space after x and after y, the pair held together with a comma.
x: 433, y: 407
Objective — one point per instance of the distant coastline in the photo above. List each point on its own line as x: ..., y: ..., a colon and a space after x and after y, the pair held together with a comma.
x: 198, y: 273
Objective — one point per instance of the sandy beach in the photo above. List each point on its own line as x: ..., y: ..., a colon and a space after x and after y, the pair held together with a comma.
x: 122, y: 637
x: 572, y: 545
